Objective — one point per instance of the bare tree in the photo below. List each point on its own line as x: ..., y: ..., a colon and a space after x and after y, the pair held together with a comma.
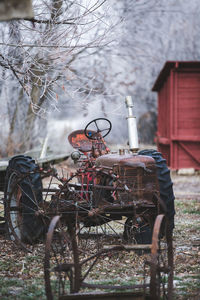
x: 36, y: 58
x: 153, y: 32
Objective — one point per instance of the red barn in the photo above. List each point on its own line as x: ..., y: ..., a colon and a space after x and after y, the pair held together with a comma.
x: 178, y: 135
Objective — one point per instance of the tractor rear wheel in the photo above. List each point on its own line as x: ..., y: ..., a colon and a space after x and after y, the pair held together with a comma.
x: 22, y: 200
x: 165, y: 183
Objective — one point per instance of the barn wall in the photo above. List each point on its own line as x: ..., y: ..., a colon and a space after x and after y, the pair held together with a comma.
x: 178, y: 135
x: 188, y: 104
x: 188, y: 119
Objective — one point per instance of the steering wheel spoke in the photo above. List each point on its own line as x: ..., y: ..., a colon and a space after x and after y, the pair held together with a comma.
x: 104, y: 129
x: 96, y: 125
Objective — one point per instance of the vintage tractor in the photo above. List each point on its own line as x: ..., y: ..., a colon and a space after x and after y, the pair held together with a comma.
x: 112, y: 202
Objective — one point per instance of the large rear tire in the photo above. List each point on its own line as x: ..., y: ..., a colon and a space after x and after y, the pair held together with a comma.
x: 165, y: 183
x: 23, y: 197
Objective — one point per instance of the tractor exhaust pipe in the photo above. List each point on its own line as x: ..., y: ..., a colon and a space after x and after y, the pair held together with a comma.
x: 132, y: 126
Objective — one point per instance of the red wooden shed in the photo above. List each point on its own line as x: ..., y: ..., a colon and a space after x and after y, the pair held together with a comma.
x: 178, y: 135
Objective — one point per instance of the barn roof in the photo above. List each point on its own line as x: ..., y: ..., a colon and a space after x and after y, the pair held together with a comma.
x: 167, y: 68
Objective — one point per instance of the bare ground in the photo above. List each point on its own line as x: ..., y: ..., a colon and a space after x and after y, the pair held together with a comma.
x: 187, y: 237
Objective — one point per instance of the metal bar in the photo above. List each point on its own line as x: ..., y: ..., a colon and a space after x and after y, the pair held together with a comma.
x: 107, y: 187
x: 113, y: 287
x: 43, y: 153
x: 128, y: 247
x: 132, y: 126
x: 104, y: 187
x: 107, y: 296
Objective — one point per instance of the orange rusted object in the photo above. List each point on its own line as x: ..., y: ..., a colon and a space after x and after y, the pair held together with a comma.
x: 79, y: 141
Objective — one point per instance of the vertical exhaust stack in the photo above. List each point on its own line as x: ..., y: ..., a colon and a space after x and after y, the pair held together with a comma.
x: 132, y: 126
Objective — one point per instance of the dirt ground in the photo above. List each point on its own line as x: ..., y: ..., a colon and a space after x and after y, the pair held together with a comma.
x: 21, y: 274
x: 187, y: 237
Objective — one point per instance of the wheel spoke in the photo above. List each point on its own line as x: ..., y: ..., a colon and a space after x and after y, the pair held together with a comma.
x: 33, y: 201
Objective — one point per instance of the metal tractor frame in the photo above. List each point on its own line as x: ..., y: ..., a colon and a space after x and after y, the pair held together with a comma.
x: 110, y: 204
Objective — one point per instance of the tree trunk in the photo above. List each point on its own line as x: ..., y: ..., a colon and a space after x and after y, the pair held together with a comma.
x: 13, y: 144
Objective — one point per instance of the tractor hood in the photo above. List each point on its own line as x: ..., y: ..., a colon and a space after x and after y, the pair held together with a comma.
x: 128, y: 160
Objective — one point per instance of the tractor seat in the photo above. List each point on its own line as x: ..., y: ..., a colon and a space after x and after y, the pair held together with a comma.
x: 79, y: 141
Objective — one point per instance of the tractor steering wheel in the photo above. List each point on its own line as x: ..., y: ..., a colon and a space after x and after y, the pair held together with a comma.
x: 95, y: 125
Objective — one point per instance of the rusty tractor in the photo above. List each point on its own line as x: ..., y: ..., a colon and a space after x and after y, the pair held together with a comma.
x: 112, y: 202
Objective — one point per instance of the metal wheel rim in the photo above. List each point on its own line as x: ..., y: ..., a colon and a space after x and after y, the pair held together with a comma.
x: 156, y: 269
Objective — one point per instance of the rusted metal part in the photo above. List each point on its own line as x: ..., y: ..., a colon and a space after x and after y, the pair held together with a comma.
x: 47, y: 270
x: 128, y: 247
x: 155, y: 237
x: 114, y: 287
x: 137, y: 172
x: 105, y: 191
x: 79, y: 141
x: 102, y: 193
x: 73, y: 270
x: 107, y: 296
x: 76, y: 279
x: 111, y: 160
x: 74, y: 205
x: 117, y: 197
x: 161, y: 264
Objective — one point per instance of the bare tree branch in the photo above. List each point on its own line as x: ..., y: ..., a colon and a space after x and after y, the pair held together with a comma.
x: 41, y: 56
x: 15, y: 73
